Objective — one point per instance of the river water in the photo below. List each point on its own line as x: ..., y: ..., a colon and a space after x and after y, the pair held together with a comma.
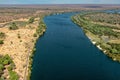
x: 65, y: 53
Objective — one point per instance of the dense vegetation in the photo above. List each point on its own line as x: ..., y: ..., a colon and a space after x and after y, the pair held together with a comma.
x: 101, y: 33
x: 6, y: 64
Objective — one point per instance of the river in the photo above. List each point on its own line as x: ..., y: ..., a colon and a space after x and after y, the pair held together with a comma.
x: 65, y: 53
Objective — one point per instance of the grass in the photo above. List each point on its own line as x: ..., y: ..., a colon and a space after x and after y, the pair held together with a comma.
x: 115, y: 41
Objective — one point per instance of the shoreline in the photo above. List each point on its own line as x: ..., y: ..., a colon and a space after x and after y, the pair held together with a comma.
x: 95, y: 39
x: 101, y: 49
x: 33, y: 52
x: 31, y: 58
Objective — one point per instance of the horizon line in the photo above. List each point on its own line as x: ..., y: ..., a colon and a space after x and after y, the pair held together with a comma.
x: 63, y: 4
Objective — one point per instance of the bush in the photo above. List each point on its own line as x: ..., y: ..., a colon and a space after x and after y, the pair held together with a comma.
x: 13, y: 75
x: 7, y: 57
x: 6, y: 62
x: 13, y: 26
x: 1, y: 67
x: 35, y: 35
x: 1, y: 42
x: 2, y: 35
x: 2, y: 78
x: 31, y: 20
x: 19, y: 36
x: 9, y: 68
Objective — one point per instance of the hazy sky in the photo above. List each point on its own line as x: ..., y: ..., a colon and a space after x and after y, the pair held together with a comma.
x: 59, y: 1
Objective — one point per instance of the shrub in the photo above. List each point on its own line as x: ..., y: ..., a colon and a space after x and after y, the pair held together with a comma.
x: 6, y: 62
x: 1, y: 42
x: 2, y: 78
x: 2, y: 35
x: 19, y: 36
x: 9, y: 68
x: 1, y: 67
x: 13, y: 75
x: 31, y: 20
x: 35, y: 35
x: 7, y: 57
x: 13, y: 26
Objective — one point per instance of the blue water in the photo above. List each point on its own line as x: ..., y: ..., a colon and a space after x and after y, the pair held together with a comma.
x: 65, y: 53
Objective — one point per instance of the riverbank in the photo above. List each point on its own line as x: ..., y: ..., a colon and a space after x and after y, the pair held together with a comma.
x: 102, y: 32
x: 39, y: 32
x: 19, y: 44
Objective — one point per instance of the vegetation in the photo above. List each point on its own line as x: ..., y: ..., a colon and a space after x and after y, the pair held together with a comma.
x: 31, y: 20
x: 35, y: 35
x: 97, y: 30
x: 1, y: 42
x: 2, y: 35
x: 13, y: 75
x: 6, y: 63
x: 13, y: 26
x: 18, y: 35
x: 104, y: 17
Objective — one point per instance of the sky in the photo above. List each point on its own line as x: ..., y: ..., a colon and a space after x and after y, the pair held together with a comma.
x: 59, y: 1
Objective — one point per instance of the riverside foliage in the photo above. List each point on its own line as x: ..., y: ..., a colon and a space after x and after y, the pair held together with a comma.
x: 102, y: 31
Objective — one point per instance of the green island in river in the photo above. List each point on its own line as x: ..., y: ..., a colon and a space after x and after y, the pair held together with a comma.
x: 103, y: 29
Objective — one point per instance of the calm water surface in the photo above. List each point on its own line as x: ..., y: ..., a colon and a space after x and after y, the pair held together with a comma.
x: 65, y: 53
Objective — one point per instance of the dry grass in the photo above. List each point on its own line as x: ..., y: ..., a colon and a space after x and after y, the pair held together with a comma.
x: 18, y: 48
x: 115, y: 41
